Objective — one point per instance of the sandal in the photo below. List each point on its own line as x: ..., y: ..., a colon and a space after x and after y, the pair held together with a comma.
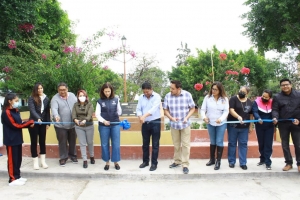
x: 106, y: 167
x: 117, y: 166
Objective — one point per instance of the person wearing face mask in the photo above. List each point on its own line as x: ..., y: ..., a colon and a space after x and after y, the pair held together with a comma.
x: 262, y: 109
x: 39, y: 108
x: 108, y: 109
x: 240, y: 108
x: 82, y: 115
x: 13, y: 138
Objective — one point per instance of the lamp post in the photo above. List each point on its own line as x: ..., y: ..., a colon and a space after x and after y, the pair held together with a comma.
x: 124, y: 44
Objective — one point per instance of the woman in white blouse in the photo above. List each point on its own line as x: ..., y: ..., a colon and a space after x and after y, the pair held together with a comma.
x: 214, y: 112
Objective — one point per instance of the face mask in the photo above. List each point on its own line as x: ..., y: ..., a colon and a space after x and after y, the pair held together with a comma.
x: 15, y: 105
x: 82, y: 99
x: 241, y: 95
x: 264, y: 100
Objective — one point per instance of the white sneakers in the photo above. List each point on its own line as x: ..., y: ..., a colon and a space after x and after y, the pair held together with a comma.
x: 18, y: 182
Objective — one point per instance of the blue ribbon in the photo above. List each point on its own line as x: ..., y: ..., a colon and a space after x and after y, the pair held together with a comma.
x: 124, y: 124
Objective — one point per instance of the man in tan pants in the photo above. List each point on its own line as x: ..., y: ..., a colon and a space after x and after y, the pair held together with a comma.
x: 179, y: 106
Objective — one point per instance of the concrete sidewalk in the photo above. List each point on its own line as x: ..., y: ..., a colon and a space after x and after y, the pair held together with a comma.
x: 130, y: 170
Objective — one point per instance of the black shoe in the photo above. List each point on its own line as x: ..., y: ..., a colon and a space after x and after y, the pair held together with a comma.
x: 173, y: 165
x: 244, y: 167
x: 62, y: 162
x: 117, y: 166
x: 185, y: 170
x: 268, y: 167
x: 74, y: 160
x: 92, y: 160
x: 260, y: 163
x: 153, y: 167
x: 85, y: 165
x: 144, y: 164
x: 210, y: 162
x: 231, y: 165
x: 106, y: 167
x: 217, y: 165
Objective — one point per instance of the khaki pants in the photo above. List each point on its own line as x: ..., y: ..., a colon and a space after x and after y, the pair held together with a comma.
x: 181, y: 138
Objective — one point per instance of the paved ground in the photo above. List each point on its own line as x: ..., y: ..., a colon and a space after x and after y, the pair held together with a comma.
x: 74, y: 182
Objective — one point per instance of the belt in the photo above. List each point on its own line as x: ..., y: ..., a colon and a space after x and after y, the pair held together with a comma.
x: 152, y: 121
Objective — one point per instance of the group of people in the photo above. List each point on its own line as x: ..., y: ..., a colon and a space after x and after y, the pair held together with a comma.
x: 73, y: 117
x: 220, y: 113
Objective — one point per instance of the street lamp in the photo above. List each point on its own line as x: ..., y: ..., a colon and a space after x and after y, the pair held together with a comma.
x: 124, y: 44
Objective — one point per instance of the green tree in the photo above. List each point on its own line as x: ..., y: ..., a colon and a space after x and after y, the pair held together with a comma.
x: 146, y: 70
x: 273, y: 25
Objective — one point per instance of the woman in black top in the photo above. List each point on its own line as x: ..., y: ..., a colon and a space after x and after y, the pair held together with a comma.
x: 39, y: 107
x: 240, y: 108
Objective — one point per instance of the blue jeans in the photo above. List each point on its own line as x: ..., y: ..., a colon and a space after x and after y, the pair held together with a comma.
x: 239, y: 135
x: 108, y: 133
x: 216, y: 134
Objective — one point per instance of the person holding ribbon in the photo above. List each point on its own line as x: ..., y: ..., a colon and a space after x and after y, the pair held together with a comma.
x: 214, y: 112
x: 262, y: 109
x: 13, y: 138
x: 240, y: 108
x: 108, y: 109
x: 82, y: 115
x: 39, y: 108
x: 286, y: 107
x: 179, y: 106
x: 148, y: 112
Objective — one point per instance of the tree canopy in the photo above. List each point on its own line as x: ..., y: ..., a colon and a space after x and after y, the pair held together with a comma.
x: 273, y: 25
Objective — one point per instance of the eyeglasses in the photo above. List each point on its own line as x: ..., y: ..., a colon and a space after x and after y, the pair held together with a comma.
x: 285, y: 85
x: 214, y: 89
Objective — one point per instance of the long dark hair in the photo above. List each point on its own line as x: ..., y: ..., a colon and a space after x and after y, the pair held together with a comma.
x: 104, y: 86
x: 8, y: 97
x: 220, y: 88
x: 35, y: 95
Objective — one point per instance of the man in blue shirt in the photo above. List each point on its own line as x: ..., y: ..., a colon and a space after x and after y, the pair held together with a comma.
x: 148, y: 112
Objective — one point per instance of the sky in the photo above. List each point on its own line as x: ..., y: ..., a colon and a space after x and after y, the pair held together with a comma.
x: 157, y: 27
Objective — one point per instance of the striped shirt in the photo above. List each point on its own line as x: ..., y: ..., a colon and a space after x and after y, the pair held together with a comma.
x: 214, y: 110
x: 179, y: 107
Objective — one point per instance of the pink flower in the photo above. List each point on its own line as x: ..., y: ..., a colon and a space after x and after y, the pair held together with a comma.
x: 132, y: 53
x: 231, y: 72
x: 6, y: 69
x: 245, y: 71
x: 207, y: 83
x: 12, y: 44
x: 57, y: 66
x: 44, y: 56
x: 222, y: 56
x: 68, y: 49
x: 27, y: 27
x: 94, y: 62
x: 105, y: 67
x: 198, y: 86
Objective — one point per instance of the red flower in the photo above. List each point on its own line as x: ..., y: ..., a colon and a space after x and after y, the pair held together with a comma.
x: 6, y: 69
x: 198, y: 86
x: 231, y: 72
x: 207, y: 83
x: 222, y: 56
x: 245, y: 71
x: 26, y: 27
x: 12, y: 44
x: 44, y: 56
